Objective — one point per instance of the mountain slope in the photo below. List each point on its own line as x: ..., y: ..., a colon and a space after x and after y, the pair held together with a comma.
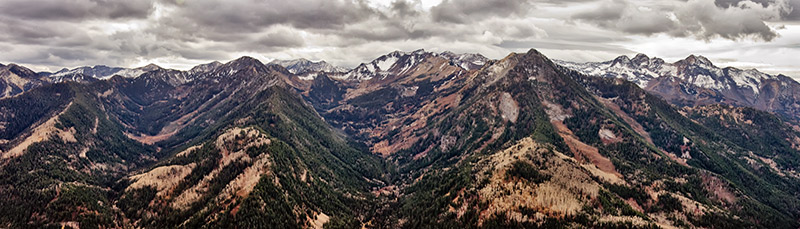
x: 60, y: 168
x: 697, y: 81
x: 226, y: 179
x: 263, y: 139
x: 509, y: 125
x: 101, y: 132
x: 15, y: 79
x: 374, y: 110
x: 750, y: 192
x: 522, y: 125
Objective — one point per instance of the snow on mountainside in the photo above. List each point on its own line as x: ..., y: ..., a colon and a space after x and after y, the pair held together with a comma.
x: 697, y: 81
x: 468, y: 61
x: 399, y: 62
x: 302, y: 66
x: 394, y: 63
x: 697, y: 71
x: 96, y: 72
x: 100, y: 72
x: 150, y: 72
x: 205, y: 67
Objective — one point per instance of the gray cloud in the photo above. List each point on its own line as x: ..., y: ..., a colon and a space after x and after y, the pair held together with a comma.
x: 628, y: 17
x: 605, y: 14
x: 703, y: 19
x: 75, y: 9
x: 277, y: 39
x: 55, y: 33
x: 237, y: 16
x: 563, y: 45
x: 404, y: 9
x: 471, y: 10
x: 794, y: 5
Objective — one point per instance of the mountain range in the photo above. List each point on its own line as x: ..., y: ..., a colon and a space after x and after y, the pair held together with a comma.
x: 697, y: 81
x: 301, y: 66
x: 409, y: 140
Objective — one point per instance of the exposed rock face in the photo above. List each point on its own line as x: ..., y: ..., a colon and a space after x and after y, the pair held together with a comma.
x: 509, y: 107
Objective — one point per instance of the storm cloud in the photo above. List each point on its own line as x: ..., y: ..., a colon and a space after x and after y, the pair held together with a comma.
x: 463, y: 11
x: 75, y: 9
x: 703, y: 19
x: 51, y: 34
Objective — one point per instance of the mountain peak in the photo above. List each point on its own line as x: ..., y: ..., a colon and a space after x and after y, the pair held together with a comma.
x: 468, y: 61
x: 205, y: 67
x: 640, y: 58
x: 534, y: 52
x: 697, y: 60
x: 246, y: 60
x: 150, y: 67
x: 531, y: 54
x: 418, y: 51
x: 398, y: 53
x: 399, y: 62
x: 621, y: 60
x: 303, y: 65
x: 20, y: 70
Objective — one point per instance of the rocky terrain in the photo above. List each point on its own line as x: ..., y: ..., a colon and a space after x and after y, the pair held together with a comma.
x: 408, y: 140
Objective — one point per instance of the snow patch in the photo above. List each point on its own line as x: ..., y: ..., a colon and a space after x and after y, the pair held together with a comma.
x: 385, y: 65
x: 309, y: 76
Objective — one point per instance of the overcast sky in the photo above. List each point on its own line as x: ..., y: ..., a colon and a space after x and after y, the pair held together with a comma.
x: 51, y: 34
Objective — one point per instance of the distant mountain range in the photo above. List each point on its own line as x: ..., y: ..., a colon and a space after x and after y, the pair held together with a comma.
x: 688, y: 82
x: 697, y: 81
x: 398, y: 62
x: 301, y: 66
x: 408, y: 140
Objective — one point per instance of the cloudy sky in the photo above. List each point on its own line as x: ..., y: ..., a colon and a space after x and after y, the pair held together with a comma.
x: 51, y: 34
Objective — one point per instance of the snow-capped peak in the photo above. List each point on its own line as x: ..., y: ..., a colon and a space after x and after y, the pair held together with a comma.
x: 694, y: 70
x: 696, y: 60
x: 97, y: 72
x: 398, y: 62
x: 468, y: 61
x: 302, y: 66
x: 205, y: 67
x: 383, y: 65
